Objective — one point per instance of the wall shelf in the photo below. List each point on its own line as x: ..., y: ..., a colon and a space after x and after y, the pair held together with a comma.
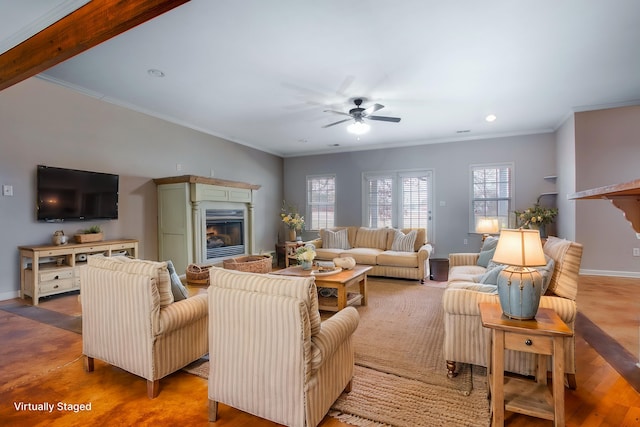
x: 625, y: 197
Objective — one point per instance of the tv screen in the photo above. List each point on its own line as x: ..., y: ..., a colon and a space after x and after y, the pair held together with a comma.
x: 75, y: 195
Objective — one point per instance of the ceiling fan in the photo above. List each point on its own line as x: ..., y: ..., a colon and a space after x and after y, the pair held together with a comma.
x: 358, y: 115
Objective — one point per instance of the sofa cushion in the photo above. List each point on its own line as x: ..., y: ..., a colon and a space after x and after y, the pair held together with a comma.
x: 327, y: 254
x: 398, y: 259
x: 466, y: 273
x: 336, y: 239
x: 372, y: 238
x: 153, y: 269
x: 366, y: 256
x: 404, y: 242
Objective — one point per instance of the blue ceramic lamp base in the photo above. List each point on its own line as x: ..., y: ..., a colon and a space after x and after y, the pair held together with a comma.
x: 519, y: 289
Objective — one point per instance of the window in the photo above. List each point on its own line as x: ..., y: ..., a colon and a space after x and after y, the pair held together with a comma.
x: 321, y: 202
x: 491, y: 194
x: 398, y: 199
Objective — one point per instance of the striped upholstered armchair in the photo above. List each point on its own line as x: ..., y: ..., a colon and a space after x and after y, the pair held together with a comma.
x: 270, y: 354
x: 130, y: 319
x: 466, y: 341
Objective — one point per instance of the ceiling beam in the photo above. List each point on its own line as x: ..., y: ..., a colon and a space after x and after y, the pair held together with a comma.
x: 89, y: 25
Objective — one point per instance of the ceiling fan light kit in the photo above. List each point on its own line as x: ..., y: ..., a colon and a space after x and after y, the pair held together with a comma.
x: 358, y: 128
x: 358, y: 115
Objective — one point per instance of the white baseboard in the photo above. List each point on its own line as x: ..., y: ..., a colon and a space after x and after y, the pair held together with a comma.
x: 631, y: 274
x: 9, y: 295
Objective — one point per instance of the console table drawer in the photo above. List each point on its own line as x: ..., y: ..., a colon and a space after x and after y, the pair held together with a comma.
x: 54, y: 252
x: 56, y: 285
x: 528, y: 343
x: 96, y: 248
x: 46, y: 276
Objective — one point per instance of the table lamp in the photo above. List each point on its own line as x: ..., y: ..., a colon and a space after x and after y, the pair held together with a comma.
x: 519, y: 286
x: 487, y: 226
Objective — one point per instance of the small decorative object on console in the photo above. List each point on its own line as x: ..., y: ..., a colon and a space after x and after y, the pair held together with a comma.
x: 59, y: 238
x: 91, y: 234
x: 346, y: 263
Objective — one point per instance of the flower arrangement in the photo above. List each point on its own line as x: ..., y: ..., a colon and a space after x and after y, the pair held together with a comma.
x: 291, y: 217
x: 536, y: 216
x: 306, y: 253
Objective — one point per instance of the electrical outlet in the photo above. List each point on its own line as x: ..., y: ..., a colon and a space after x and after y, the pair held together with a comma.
x: 466, y: 241
x: 636, y: 251
x: 7, y: 190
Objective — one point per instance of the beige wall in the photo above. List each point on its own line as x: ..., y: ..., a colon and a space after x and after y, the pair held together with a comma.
x: 42, y: 123
x: 607, y: 151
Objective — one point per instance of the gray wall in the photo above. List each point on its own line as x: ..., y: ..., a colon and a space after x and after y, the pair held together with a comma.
x: 607, y: 152
x: 533, y: 156
x: 566, y: 182
x: 42, y: 123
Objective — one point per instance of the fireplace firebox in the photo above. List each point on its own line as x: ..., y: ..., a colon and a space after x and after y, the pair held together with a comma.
x: 225, y: 233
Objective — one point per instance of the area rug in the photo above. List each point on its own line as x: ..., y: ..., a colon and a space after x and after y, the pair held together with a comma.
x: 379, y: 399
x: 401, y: 332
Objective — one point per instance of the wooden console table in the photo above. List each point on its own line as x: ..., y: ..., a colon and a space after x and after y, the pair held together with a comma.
x: 625, y: 197
x: 543, y: 336
x: 49, y: 269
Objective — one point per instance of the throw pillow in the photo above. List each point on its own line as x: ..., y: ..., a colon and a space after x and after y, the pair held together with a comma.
x: 485, y: 257
x: 489, y: 243
x: 336, y: 239
x: 546, y: 272
x: 404, y: 242
x: 177, y: 288
x: 491, y: 276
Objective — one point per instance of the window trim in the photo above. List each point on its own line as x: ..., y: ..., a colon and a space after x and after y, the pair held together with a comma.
x: 308, y: 210
x: 511, y: 199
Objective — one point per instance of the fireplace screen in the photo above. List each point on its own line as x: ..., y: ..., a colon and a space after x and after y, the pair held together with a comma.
x: 225, y: 232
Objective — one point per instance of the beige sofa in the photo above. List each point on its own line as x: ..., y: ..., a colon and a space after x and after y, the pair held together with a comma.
x: 466, y: 341
x: 375, y: 247
x: 130, y: 319
x: 271, y: 355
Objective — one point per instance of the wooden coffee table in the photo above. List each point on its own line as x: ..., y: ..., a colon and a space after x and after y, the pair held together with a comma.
x: 340, y: 281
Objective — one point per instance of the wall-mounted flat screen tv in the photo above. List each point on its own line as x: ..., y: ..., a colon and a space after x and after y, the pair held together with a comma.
x: 75, y: 195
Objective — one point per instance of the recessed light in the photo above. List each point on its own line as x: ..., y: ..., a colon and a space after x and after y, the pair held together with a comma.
x: 491, y: 118
x: 334, y: 145
x: 155, y: 73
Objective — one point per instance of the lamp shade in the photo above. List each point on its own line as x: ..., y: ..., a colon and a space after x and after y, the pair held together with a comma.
x: 487, y: 225
x: 520, y: 247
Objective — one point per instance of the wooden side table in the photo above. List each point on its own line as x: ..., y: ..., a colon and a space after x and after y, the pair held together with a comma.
x: 290, y: 252
x: 543, y: 336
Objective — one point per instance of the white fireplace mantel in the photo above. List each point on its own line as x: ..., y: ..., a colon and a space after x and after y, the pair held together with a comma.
x: 181, y: 202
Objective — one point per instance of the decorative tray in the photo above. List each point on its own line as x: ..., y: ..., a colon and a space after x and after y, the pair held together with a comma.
x: 326, y: 273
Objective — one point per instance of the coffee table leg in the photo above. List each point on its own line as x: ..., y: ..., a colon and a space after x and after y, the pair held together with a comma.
x: 363, y: 290
x: 342, y: 297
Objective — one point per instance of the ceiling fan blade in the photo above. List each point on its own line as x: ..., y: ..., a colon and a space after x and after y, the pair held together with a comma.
x: 337, y: 112
x: 384, y: 118
x: 336, y: 123
x: 373, y: 109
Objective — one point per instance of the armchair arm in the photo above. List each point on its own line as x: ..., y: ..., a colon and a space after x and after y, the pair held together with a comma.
x: 425, y: 252
x: 465, y: 301
x: 181, y: 313
x: 333, y: 333
x: 463, y: 259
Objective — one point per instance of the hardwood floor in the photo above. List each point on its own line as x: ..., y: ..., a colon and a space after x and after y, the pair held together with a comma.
x: 42, y: 363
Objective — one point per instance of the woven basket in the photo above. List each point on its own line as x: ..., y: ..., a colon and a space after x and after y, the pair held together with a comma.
x: 250, y: 263
x: 197, y: 275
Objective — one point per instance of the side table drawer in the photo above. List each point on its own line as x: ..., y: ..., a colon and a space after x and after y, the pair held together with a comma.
x: 528, y: 343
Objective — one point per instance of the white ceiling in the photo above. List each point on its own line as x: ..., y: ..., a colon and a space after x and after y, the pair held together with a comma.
x: 261, y: 73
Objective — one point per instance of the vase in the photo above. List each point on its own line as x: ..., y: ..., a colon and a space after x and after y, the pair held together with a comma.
x: 292, y: 235
x: 519, y: 291
x: 540, y: 227
x: 306, y: 265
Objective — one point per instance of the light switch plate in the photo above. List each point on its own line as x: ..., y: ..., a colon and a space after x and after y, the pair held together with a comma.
x: 7, y: 190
